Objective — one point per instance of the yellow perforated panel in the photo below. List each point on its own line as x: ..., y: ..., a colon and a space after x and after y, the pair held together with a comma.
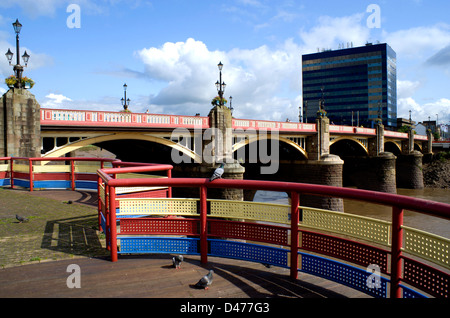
x: 278, y: 213
x: 429, y: 246
x: 158, y: 206
x: 348, y: 224
x: 102, y: 192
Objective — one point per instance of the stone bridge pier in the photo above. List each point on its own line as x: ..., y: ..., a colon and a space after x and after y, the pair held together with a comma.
x: 409, y: 163
x: 20, y: 127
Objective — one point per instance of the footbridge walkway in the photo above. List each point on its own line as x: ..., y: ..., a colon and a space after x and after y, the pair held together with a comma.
x: 141, y: 218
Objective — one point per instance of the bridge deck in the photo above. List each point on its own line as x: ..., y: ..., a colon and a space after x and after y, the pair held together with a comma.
x: 154, y: 277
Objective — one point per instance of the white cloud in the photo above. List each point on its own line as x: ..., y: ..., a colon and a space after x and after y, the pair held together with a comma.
x: 330, y: 32
x: 418, y: 42
x: 254, y: 77
x: 35, y: 8
x: 407, y: 88
x: 55, y: 101
x: 421, y: 113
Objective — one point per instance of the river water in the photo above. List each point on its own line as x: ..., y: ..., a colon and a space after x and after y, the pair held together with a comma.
x: 416, y: 220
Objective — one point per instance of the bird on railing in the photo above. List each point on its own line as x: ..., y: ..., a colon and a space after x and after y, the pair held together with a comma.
x: 177, y: 260
x: 205, y: 281
x: 217, y: 173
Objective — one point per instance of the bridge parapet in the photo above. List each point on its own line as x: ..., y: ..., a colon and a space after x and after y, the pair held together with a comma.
x: 62, y: 117
x: 67, y: 117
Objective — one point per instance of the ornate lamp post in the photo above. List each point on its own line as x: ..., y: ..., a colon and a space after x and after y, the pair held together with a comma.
x: 125, y: 101
x: 231, y: 106
x: 18, y: 69
x: 220, y: 85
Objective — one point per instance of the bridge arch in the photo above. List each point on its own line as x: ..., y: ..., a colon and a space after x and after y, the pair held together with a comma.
x: 121, y: 136
x: 252, y: 139
x: 393, y: 147
x: 362, y: 144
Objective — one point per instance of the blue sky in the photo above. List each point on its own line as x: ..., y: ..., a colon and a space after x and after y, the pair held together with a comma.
x: 167, y: 52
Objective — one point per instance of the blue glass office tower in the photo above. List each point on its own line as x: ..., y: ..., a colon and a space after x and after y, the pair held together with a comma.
x: 357, y: 85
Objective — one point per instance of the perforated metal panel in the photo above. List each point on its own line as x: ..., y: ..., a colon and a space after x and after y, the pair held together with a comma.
x: 342, y: 273
x: 249, y: 252
x: 278, y: 213
x: 426, y: 278
x: 159, y: 226
x: 354, y: 252
x: 410, y: 293
x: 429, y: 246
x: 102, y: 192
x: 249, y: 231
x: 158, y: 206
x: 140, y: 245
x: 366, y: 228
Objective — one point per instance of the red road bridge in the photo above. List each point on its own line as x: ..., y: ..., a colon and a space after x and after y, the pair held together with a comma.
x: 63, y: 131
x: 139, y: 215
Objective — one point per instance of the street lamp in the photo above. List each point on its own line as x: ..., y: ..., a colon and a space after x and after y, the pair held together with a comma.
x: 220, y: 85
x: 231, y: 106
x: 124, y: 100
x: 18, y: 69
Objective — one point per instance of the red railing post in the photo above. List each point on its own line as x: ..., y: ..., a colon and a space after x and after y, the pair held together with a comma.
x: 30, y: 163
x: 72, y: 174
x: 11, y: 174
x: 112, y: 223
x: 169, y: 175
x: 107, y: 218
x: 294, y: 234
x: 203, y: 233
x: 99, y: 204
x: 396, y: 251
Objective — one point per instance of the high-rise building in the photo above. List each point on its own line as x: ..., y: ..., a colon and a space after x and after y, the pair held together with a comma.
x: 355, y: 85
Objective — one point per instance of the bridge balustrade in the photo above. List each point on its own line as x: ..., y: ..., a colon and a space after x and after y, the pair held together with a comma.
x: 380, y: 258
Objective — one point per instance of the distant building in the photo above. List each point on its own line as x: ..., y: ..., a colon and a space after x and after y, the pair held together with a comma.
x: 356, y: 85
x: 421, y: 129
x: 405, y: 122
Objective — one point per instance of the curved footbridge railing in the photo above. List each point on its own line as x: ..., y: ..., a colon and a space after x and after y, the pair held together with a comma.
x: 380, y: 258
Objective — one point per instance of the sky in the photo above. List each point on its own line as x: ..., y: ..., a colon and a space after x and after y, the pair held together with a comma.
x: 83, y: 51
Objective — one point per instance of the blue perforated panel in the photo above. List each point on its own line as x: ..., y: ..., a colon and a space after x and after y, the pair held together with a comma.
x: 409, y: 293
x: 139, y: 245
x: 52, y: 184
x: 249, y: 252
x: 86, y: 185
x: 342, y: 273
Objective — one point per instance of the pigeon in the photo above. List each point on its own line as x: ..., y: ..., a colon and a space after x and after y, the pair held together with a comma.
x: 177, y: 260
x: 217, y: 173
x: 21, y: 218
x: 205, y: 281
